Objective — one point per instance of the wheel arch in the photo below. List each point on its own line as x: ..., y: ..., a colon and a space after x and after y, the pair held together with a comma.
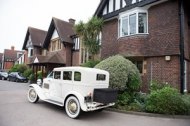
x: 79, y: 97
x: 38, y: 90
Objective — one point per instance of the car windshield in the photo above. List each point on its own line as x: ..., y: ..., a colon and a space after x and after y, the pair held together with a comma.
x: 20, y: 74
x: 50, y: 75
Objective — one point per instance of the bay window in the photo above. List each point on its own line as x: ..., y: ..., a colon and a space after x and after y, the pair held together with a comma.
x: 134, y: 22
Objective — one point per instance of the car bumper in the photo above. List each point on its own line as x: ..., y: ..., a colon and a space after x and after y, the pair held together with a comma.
x: 92, y: 106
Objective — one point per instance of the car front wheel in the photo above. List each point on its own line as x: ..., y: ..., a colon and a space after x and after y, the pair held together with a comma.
x: 72, y: 107
x: 32, y: 95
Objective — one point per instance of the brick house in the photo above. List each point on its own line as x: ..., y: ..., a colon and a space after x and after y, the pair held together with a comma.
x: 59, y: 46
x: 62, y: 42
x: 9, y: 58
x: 154, y: 34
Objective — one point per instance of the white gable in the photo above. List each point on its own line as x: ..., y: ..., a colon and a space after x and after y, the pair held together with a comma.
x: 36, y: 60
x: 55, y: 34
x: 29, y: 42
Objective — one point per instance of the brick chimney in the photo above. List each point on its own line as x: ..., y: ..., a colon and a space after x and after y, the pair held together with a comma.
x: 12, y: 48
x: 72, y: 21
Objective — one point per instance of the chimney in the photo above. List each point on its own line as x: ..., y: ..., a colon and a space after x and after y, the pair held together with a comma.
x: 12, y: 48
x: 72, y: 21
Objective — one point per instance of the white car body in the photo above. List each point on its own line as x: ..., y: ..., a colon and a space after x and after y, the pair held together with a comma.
x: 57, y: 91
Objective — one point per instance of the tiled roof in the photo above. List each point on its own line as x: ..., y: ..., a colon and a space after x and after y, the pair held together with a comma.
x: 11, y: 55
x: 37, y: 37
x: 64, y: 29
x: 55, y: 59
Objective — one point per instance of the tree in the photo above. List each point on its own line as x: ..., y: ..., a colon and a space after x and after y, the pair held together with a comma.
x: 89, y: 32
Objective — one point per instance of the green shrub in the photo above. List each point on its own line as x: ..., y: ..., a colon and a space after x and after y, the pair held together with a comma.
x: 130, y: 103
x: 155, y: 85
x: 91, y: 63
x: 19, y: 68
x: 124, y: 75
x: 166, y: 101
x: 123, y: 99
x: 186, y: 99
x: 39, y: 74
x: 31, y: 77
x: 27, y: 73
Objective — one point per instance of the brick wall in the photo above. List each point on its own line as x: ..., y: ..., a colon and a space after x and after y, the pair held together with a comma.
x: 75, y: 60
x: 163, y: 27
x: 158, y: 69
x: 8, y: 65
x: 109, y: 38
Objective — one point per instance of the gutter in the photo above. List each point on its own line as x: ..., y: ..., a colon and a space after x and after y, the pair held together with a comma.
x: 181, y: 45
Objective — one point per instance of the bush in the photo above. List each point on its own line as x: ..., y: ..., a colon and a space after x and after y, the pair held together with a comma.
x: 124, y: 75
x: 27, y: 73
x: 166, y: 101
x: 155, y: 85
x: 19, y: 68
x: 91, y: 63
x: 39, y: 74
x: 31, y: 78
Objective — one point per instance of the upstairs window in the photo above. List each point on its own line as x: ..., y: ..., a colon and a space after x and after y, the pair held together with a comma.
x: 76, y: 43
x: 30, y: 52
x: 134, y: 22
x: 55, y: 45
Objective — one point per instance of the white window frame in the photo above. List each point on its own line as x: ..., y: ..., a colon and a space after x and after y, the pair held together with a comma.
x: 29, y: 51
x: 127, y: 14
x: 76, y: 43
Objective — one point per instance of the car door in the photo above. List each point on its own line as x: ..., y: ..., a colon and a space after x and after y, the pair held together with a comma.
x: 67, y: 83
x: 56, y: 86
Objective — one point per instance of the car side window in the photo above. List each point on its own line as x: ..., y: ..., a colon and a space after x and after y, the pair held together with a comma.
x: 67, y: 75
x: 57, y: 74
x: 101, y: 77
x: 77, y: 76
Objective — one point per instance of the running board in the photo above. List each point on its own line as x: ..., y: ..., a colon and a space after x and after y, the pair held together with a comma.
x: 54, y: 102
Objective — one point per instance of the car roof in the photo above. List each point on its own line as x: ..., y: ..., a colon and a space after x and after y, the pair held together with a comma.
x: 80, y: 69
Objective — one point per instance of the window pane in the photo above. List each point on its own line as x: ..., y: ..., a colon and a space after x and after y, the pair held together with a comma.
x: 124, y: 26
x: 57, y: 75
x: 132, y: 24
x: 67, y: 75
x: 142, y: 23
x: 101, y: 77
x: 31, y: 53
x: 77, y: 76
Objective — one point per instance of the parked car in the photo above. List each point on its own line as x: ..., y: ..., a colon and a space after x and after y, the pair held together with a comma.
x: 16, y: 77
x: 76, y: 88
x: 3, y: 75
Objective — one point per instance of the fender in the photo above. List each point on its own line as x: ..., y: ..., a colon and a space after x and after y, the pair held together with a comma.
x: 39, y: 91
x: 79, y: 97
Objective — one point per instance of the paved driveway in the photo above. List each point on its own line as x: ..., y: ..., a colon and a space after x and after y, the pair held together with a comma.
x: 15, y: 110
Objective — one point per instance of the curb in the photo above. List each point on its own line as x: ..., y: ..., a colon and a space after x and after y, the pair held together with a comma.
x: 148, y: 114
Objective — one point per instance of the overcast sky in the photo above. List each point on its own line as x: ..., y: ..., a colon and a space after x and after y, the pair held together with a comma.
x: 17, y: 15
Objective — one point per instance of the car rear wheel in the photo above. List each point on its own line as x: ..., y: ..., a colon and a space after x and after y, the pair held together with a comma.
x: 32, y: 95
x: 72, y: 107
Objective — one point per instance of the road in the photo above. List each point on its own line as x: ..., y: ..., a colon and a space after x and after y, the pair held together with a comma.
x: 15, y: 110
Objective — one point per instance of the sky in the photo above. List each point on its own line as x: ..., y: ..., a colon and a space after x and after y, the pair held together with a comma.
x: 17, y: 15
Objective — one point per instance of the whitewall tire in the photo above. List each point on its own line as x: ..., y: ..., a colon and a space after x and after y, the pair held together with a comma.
x: 72, y: 107
x: 32, y: 95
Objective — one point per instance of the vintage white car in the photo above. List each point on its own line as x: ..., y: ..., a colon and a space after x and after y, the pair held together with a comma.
x: 75, y: 88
